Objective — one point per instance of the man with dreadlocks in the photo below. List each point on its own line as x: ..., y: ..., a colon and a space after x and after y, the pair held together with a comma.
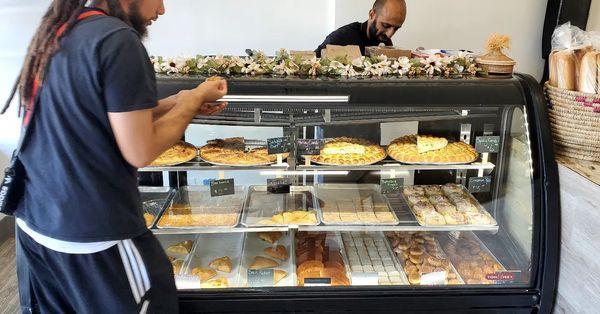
x: 82, y: 241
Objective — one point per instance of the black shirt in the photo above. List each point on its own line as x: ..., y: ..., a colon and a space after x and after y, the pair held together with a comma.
x: 78, y: 186
x: 351, y: 34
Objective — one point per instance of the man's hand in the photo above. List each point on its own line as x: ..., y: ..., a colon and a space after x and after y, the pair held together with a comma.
x: 205, y: 95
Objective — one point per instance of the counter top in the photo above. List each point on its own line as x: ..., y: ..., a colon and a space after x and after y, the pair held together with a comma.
x: 587, y: 169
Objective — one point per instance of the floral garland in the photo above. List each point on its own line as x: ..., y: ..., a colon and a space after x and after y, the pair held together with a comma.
x: 284, y: 64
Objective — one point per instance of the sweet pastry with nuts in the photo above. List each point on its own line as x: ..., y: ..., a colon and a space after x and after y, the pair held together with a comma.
x: 350, y: 151
x: 405, y: 149
x: 177, y: 154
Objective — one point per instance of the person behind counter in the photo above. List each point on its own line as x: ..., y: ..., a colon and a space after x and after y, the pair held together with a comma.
x: 385, y: 18
x: 82, y: 243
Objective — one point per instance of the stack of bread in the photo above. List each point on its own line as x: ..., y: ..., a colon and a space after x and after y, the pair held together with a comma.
x: 318, y: 255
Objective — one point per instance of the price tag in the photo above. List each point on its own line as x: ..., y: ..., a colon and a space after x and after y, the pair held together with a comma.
x: 391, y: 186
x: 365, y: 279
x: 308, y: 147
x: 317, y: 282
x: 278, y: 145
x: 278, y: 186
x: 222, y: 187
x: 434, y: 279
x: 183, y: 282
x: 480, y: 184
x: 504, y: 276
x: 487, y: 144
x: 260, y: 277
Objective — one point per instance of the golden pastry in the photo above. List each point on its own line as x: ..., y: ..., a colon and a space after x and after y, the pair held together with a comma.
x: 204, y: 273
x: 149, y: 218
x: 296, y: 217
x: 177, y: 264
x: 179, y: 153
x: 432, y: 218
x: 455, y: 218
x: 181, y: 248
x: 215, y: 283
x: 452, y: 188
x: 278, y: 275
x: 270, y: 237
x: 221, y: 264
x: 232, y: 151
x: 427, y: 143
x: 414, y: 190
x: 350, y: 151
x: 404, y: 149
x: 431, y: 190
x: 263, y: 262
x: 278, y: 252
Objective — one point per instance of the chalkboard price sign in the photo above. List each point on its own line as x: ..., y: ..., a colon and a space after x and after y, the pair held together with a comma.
x: 278, y: 145
x: 315, y: 282
x: 480, y: 184
x: 391, y: 186
x: 278, y: 186
x: 309, y: 147
x: 222, y: 187
x: 487, y: 144
x: 260, y: 277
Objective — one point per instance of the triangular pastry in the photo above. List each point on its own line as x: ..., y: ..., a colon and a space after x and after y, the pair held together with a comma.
x: 278, y: 252
x: 270, y: 237
x: 221, y: 264
x: 215, y: 283
x: 182, y: 248
x: 263, y: 262
x: 278, y: 275
x: 427, y: 143
x: 204, y: 273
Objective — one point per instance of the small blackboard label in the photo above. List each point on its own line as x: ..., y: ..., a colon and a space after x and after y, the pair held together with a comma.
x: 278, y: 186
x: 222, y: 187
x: 308, y: 282
x: 487, y: 144
x: 278, y: 145
x: 391, y: 186
x: 505, y: 277
x: 308, y: 147
x: 480, y: 184
x: 260, y: 277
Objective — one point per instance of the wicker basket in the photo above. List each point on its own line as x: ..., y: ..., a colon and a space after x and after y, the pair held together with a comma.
x: 575, y: 122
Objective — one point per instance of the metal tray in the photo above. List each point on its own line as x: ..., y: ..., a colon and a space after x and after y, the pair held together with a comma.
x: 347, y: 192
x: 349, y: 239
x: 167, y: 240
x: 254, y: 246
x: 155, y: 200
x: 401, y: 262
x: 261, y: 205
x: 181, y: 161
x: 448, y: 239
x: 473, y: 200
x: 198, y: 197
x: 209, y: 247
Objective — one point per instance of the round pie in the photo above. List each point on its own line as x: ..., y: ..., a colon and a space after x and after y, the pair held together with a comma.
x: 233, y: 152
x: 404, y: 149
x: 350, y: 151
x: 179, y: 153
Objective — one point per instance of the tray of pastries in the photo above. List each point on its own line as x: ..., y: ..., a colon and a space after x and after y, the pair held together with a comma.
x: 193, y: 207
x: 426, y: 149
x: 349, y: 151
x: 269, y: 250
x: 473, y: 260
x: 177, y: 154
x: 320, y: 255
x: 263, y: 209
x: 370, y: 253
x: 354, y: 204
x: 446, y: 205
x: 215, y: 260
x: 237, y: 151
x: 178, y: 248
x: 422, y: 258
x: 154, y: 201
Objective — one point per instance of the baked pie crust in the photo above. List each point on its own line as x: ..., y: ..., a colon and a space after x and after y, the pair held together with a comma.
x: 232, y: 152
x: 405, y: 149
x: 179, y: 153
x: 349, y: 151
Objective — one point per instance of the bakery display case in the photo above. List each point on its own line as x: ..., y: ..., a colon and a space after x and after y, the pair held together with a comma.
x: 354, y: 195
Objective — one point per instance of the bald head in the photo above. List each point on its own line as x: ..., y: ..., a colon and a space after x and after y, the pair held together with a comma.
x: 385, y: 18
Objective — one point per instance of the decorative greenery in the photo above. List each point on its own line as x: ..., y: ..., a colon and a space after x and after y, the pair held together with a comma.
x: 284, y: 64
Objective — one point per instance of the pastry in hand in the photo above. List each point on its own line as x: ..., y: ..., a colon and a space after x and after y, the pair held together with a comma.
x: 181, y: 248
x: 177, y: 265
x: 204, y: 273
x: 270, y: 237
x: 263, y: 263
x: 278, y: 275
x: 149, y: 218
x: 221, y: 264
x: 278, y: 252
x: 427, y: 143
x: 215, y: 283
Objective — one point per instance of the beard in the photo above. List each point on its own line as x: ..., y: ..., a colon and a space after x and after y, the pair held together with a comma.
x: 137, y: 20
x: 374, y: 34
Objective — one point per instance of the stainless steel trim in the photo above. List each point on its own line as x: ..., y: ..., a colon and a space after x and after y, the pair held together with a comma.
x: 285, y: 99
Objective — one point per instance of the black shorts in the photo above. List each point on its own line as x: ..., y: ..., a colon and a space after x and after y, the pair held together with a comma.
x: 133, y: 276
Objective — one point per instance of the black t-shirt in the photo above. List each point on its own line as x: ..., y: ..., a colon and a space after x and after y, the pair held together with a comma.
x: 78, y: 186
x: 351, y: 34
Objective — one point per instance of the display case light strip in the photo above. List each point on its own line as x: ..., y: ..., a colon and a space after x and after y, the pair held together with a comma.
x: 285, y: 99
x: 304, y: 172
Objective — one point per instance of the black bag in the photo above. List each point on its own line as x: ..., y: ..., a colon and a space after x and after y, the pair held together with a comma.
x: 12, y: 185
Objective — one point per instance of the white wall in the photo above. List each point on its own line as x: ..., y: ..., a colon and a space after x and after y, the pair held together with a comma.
x: 594, y: 18
x: 231, y: 26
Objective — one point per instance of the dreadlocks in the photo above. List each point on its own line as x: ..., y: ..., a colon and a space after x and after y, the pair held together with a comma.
x: 45, y: 44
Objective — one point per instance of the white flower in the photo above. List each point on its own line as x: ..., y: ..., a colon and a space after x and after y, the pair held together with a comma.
x: 359, y: 62
x: 403, y: 65
x: 432, y: 64
x: 253, y: 69
x: 201, y: 62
